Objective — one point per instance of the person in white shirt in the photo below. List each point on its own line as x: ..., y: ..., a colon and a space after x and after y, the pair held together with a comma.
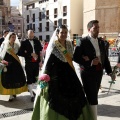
x: 91, y: 56
x: 30, y: 49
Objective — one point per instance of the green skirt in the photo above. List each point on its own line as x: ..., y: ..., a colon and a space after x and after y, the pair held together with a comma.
x: 42, y: 111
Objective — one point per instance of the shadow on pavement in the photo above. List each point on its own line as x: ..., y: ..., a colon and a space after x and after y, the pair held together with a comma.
x: 105, y: 93
x: 20, y: 102
x: 108, y: 110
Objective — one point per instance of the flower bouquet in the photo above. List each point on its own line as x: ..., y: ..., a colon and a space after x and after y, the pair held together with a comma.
x: 43, y: 80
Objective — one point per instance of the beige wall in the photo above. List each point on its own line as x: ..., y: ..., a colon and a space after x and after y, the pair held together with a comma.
x: 87, y: 17
x: 5, y: 8
x: 88, y: 13
x: 109, y: 20
x: 108, y: 14
x: 76, y: 17
x: 107, y: 3
x: 7, y: 2
x: 89, y: 5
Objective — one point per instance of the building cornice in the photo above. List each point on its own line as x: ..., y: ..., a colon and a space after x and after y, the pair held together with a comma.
x: 30, y: 2
x: 101, y: 7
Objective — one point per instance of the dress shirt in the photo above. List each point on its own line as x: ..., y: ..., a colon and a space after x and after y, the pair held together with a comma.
x: 32, y: 43
x: 96, y: 46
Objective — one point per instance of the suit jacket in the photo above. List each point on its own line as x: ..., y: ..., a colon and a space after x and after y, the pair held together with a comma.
x: 86, y: 49
x: 1, y: 40
x: 26, y: 49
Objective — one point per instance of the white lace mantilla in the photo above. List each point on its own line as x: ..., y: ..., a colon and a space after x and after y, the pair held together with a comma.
x: 60, y: 55
x: 15, y: 47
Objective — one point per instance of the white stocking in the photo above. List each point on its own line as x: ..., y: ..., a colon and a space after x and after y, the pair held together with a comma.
x: 30, y: 87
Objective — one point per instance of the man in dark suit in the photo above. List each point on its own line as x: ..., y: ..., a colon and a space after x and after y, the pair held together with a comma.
x: 5, y: 32
x: 30, y: 49
x: 91, y: 57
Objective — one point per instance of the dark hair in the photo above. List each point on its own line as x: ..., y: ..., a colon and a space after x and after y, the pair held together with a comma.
x: 11, y: 33
x: 61, y: 27
x: 4, y: 31
x: 90, y: 24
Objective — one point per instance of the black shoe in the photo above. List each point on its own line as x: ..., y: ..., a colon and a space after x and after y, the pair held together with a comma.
x: 118, y: 74
x: 10, y: 100
x: 14, y: 96
x: 32, y: 99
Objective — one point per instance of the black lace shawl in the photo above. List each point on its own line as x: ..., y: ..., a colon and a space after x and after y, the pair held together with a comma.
x: 65, y: 93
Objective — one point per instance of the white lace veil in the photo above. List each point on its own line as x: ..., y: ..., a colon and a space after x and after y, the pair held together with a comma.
x: 5, y: 44
x: 49, y: 49
x: 48, y: 53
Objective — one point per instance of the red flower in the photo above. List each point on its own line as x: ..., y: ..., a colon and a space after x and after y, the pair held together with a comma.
x: 4, y: 62
x: 44, y: 77
x: 114, y: 49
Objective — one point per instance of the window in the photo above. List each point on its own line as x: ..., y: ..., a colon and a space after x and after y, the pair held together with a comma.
x: 64, y: 10
x: 55, y: 12
x: 40, y: 37
x: 48, y: 37
x: 1, y: 2
x: 18, y: 28
x: 18, y: 21
x: 33, y: 17
x: 41, y: 1
x: 27, y: 28
x: 3, y: 20
x: 47, y: 26
x: 47, y: 14
x: 59, y: 21
x: 40, y: 16
x: 55, y: 24
x: 27, y: 18
x: 30, y: 6
x: 30, y: 26
x: 34, y: 27
x: 65, y: 21
x: 40, y: 27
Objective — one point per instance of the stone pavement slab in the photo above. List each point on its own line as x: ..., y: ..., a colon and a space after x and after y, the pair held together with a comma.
x: 26, y: 116
x: 108, y: 108
x: 109, y: 104
x: 20, y: 106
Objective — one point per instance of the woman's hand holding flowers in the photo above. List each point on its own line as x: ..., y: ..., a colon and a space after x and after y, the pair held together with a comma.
x: 4, y: 62
x: 43, y: 80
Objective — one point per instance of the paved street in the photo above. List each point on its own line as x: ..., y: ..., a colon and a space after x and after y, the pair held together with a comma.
x: 21, y: 107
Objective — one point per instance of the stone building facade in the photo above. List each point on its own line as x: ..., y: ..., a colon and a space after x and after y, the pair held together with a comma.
x: 108, y: 14
x: 16, y: 21
x: 44, y: 16
x: 4, y: 14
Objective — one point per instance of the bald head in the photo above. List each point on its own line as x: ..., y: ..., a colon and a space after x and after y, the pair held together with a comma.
x: 30, y: 34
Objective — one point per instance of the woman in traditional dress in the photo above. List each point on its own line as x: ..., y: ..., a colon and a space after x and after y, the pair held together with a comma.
x: 12, y: 78
x: 61, y: 98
